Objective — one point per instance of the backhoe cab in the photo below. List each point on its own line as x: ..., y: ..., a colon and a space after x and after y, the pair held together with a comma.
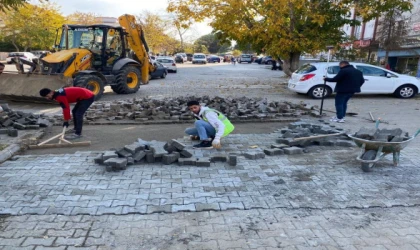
x: 89, y: 56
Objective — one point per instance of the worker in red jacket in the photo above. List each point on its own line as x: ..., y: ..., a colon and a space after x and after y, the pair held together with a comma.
x: 83, y: 99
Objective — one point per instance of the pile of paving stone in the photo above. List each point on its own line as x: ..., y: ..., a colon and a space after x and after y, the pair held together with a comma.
x: 11, y: 121
x: 382, y: 135
x: 176, y: 109
x: 303, y: 129
x: 155, y: 151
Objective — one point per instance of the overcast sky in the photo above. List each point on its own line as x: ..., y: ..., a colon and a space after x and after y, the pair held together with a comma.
x: 115, y: 8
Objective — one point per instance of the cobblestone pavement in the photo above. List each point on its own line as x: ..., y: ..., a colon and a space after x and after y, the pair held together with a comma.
x: 319, y: 200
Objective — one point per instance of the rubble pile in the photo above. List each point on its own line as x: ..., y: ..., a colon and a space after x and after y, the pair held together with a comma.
x: 288, y: 144
x: 176, y: 109
x: 382, y: 135
x: 155, y: 151
x: 11, y: 121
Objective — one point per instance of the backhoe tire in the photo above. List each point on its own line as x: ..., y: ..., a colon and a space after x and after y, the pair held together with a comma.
x: 128, y: 80
x: 92, y: 82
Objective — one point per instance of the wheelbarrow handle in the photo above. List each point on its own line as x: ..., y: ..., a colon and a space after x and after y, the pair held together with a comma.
x: 417, y: 133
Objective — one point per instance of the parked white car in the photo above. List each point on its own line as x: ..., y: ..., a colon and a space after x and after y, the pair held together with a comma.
x: 245, y: 58
x: 169, y: 63
x: 25, y: 55
x: 308, y: 79
x: 199, y: 58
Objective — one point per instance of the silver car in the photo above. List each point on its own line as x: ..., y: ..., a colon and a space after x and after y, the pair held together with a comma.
x: 169, y: 63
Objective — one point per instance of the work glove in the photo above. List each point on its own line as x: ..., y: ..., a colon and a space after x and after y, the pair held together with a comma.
x: 66, y: 124
x: 216, y: 143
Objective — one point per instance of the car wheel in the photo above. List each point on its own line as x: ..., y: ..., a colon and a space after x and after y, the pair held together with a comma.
x: 316, y: 91
x: 164, y: 75
x: 406, y: 91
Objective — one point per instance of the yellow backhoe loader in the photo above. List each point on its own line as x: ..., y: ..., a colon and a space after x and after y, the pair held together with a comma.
x: 89, y: 56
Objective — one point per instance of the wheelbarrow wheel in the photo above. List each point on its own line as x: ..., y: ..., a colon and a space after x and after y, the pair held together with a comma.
x: 369, y: 156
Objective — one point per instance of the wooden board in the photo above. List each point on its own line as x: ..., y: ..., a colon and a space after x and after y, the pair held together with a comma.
x: 63, y: 145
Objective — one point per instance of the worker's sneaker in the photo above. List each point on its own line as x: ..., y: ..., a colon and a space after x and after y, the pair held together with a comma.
x: 72, y: 137
x: 203, y: 145
x: 70, y: 131
x: 335, y: 119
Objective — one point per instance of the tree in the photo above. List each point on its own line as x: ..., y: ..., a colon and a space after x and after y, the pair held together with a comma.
x: 82, y: 18
x: 392, y: 31
x: 155, y: 30
x: 211, y: 42
x: 32, y: 26
x: 13, y: 4
x: 283, y: 28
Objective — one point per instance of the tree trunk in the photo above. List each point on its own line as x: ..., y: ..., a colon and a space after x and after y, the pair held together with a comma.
x: 386, y: 58
x: 291, y: 64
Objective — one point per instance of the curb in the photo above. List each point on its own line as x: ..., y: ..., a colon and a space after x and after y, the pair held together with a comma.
x: 186, y: 121
x: 14, y: 148
x: 9, y: 152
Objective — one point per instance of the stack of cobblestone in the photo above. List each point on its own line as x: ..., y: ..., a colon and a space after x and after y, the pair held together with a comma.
x: 11, y: 121
x: 382, y: 135
x: 287, y: 143
x: 155, y: 151
x: 176, y: 109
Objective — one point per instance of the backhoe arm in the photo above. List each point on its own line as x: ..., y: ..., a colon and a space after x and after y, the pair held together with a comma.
x: 137, y: 42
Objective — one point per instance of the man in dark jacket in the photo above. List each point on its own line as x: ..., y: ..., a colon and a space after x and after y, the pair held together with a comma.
x: 349, y: 80
x: 83, y: 99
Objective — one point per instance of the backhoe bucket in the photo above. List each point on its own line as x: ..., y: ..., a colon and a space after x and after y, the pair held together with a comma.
x: 25, y: 87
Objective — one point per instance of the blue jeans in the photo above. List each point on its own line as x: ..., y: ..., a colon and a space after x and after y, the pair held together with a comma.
x: 78, y: 113
x: 341, y: 100
x: 203, y: 129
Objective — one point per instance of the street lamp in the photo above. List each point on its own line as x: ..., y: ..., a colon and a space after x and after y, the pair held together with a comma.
x: 325, y: 82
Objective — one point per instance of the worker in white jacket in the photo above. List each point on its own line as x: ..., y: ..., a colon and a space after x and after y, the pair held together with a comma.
x: 210, y: 126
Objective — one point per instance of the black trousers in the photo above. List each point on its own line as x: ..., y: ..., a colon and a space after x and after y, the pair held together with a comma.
x: 78, y: 112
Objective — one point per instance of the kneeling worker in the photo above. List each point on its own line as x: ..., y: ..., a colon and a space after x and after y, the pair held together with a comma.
x: 83, y: 99
x: 210, y: 126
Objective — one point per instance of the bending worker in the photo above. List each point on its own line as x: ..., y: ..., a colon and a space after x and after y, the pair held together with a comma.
x: 83, y: 99
x: 210, y: 126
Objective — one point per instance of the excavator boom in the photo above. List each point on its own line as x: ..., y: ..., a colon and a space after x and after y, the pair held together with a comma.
x: 137, y: 42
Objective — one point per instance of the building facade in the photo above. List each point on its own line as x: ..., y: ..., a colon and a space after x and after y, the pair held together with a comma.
x: 407, y: 58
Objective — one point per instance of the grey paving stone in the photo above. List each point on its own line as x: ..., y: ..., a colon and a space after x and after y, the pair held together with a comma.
x: 254, y: 155
x: 272, y: 152
x: 203, y: 162
x: 183, y: 208
x: 178, y: 145
x: 187, y: 161
x: 207, y: 207
x: 170, y: 158
x: 159, y: 209
x: 230, y: 206
x: 293, y: 151
x: 31, y: 241
x: 186, y: 153
x: 139, y: 156
x: 233, y: 160
x: 218, y: 158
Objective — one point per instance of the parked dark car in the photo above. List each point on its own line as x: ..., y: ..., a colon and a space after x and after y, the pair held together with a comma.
x: 160, y: 72
x: 267, y: 60
x: 258, y: 60
x: 179, y: 59
x: 213, y: 59
x: 189, y: 57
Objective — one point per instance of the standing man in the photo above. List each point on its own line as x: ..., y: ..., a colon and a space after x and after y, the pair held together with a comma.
x: 349, y: 80
x: 1, y: 68
x: 83, y: 99
x: 210, y: 126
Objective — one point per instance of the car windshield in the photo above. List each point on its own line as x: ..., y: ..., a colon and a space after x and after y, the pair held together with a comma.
x: 304, y: 69
x: 88, y: 38
x: 15, y: 54
x: 246, y: 56
x: 165, y: 60
x: 199, y: 56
